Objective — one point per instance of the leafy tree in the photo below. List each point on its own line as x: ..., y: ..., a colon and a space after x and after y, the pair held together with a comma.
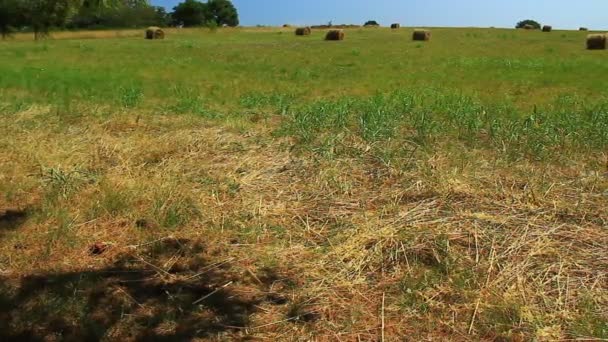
x: 41, y: 15
x: 130, y: 13
x: 223, y: 13
x: 530, y: 22
x: 8, y: 17
x: 162, y: 18
x: 190, y: 13
x: 371, y: 23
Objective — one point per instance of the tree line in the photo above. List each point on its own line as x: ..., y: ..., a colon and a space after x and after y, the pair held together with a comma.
x: 42, y: 16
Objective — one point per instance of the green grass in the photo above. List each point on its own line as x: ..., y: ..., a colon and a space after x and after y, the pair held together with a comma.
x: 528, y: 93
x: 525, y: 68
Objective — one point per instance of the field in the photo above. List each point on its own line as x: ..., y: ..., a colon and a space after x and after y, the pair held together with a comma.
x: 250, y: 184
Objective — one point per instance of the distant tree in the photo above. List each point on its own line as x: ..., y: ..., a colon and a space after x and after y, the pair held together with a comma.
x: 162, y: 17
x: 190, y: 13
x: 129, y: 13
x: 223, y: 13
x: 41, y: 15
x: 371, y: 23
x: 9, y: 10
x: 530, y: 22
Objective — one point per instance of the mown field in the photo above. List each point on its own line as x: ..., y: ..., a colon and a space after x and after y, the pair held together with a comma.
x: 251, y: 184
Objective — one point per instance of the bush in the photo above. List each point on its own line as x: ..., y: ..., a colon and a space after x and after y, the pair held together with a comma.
x: 530, y: 22
x: 371, y: 23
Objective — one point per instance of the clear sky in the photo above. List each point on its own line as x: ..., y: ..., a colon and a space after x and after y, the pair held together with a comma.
x: 567, y: 14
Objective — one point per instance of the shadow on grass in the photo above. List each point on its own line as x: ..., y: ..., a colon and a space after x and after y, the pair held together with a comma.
x: 12, y: 218
x: 134, y: 299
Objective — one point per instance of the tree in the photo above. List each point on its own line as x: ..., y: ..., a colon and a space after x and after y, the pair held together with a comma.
x: 41, y: 15
x: 161, y: 16
x: 8, y: 17
x: 190, y: 13
x: 530, y: 22
x: 371, y: 23
x: 130, y: 13
x: 223, y: 12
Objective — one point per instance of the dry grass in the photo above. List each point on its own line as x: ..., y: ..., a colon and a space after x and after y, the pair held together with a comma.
x: 306, y: 248
x: 105, y: 34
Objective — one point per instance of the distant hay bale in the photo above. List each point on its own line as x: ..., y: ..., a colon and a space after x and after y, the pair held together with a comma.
x: 528, y: 27
x: 596, y: 42
x: 583, y: 29
x: 423, y: 35
x: 154, y: 32
x: 335, y: 35
x: 286, y: 25
x: 547, y: 28
x: 303, y: 31
x: 395, y: 26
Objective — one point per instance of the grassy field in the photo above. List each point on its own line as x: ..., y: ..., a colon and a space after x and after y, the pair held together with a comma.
x: 251, y: 184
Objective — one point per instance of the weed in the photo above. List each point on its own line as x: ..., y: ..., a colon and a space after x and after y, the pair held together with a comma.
x: 131, y: 96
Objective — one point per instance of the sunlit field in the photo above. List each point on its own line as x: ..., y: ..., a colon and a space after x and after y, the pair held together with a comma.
x: 249, y: 183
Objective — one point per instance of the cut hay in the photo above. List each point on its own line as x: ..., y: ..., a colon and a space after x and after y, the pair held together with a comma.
x: 596, y: 42
x: 547, y: 28
x: 335, y: 35
x: 423, y: 35
x: 583, y: 29
x: 395, y: 26
x: 303, y: 31
x: 154, y: 32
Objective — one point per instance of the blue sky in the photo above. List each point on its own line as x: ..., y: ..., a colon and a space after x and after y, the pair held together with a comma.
x: 568, y: 14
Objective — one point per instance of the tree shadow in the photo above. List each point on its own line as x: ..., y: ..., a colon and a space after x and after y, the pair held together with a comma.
x: 12, y: 218
x: 168, y: 292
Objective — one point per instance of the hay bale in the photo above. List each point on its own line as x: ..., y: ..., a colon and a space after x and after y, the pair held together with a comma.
x: 528, y: 27
x: 303, y: 31
x: 395, y: 26
x: 596, y: 42
x: 286, y: 25
x: 547, y: 28
x: 583, y: 29
x: 424, y: 35
x: 335, y: 35
x: 154, y: 32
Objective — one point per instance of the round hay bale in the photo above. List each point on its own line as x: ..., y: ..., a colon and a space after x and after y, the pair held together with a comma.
x: 395, y: 26
x: 335, y: 35
x: 154, y: 32
x: 547, y: 28
x: 423, y: 35
x: 596, y: 42
x: 303, y: 31
x: 286, y: 25
x: 528, y: 27
x: 583, y: 29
